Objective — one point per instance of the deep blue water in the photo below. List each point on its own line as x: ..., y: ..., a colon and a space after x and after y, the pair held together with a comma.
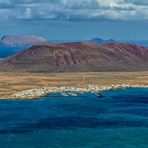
x: 117, y: 120
x: 8, y: 51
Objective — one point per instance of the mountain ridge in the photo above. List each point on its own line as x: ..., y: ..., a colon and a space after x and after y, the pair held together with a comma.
x: 78, y: 57
x: 101, y: 41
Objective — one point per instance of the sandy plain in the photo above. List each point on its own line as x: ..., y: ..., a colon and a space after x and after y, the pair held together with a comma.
x: 12, y: 82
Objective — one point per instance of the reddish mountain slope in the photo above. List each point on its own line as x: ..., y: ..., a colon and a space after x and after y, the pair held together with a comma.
x: 79, y: 57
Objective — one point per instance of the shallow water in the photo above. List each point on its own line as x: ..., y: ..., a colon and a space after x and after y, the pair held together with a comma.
x: 117, y: 120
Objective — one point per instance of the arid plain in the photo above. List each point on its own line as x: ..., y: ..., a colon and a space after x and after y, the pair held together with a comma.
x: 11, y: 82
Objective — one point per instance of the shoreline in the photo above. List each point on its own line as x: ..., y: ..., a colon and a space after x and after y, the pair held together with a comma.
x: 35, y: 85
x: 68, y: 91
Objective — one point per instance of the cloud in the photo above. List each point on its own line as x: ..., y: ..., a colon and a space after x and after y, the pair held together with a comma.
x: 74, y: 9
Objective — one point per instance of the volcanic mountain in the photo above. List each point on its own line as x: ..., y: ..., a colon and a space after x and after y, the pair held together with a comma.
x: 78, y: 56
x: 100, y: 41
x: 21, y: 41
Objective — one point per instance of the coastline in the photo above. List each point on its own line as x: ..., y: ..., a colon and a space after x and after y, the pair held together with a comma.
x: 34, y: 85
x: 69, y: 91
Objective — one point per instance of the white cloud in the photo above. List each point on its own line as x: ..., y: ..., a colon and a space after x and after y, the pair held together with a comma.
x: 74, y: 9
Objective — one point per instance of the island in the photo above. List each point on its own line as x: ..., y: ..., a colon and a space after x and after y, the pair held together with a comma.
x: 73, y: 67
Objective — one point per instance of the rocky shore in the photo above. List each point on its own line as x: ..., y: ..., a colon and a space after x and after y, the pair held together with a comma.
x: 69, y: 91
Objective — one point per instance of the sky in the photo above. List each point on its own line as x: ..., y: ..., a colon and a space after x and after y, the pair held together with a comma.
x: 75, y: 19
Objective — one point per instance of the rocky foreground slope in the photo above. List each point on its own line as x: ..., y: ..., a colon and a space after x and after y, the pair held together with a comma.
x: 78, y: 56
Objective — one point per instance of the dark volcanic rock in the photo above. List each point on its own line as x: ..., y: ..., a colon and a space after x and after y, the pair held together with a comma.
x: 21, y: 41
x: 78, y: 57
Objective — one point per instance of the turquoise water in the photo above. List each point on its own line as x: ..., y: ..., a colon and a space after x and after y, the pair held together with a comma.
x: 117, y: 120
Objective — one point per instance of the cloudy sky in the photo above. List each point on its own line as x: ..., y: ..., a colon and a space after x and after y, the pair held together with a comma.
x: 75, y: 19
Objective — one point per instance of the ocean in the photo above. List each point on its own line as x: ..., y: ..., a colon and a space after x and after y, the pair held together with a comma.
x: 119, y: 119
x: 8, y: 51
